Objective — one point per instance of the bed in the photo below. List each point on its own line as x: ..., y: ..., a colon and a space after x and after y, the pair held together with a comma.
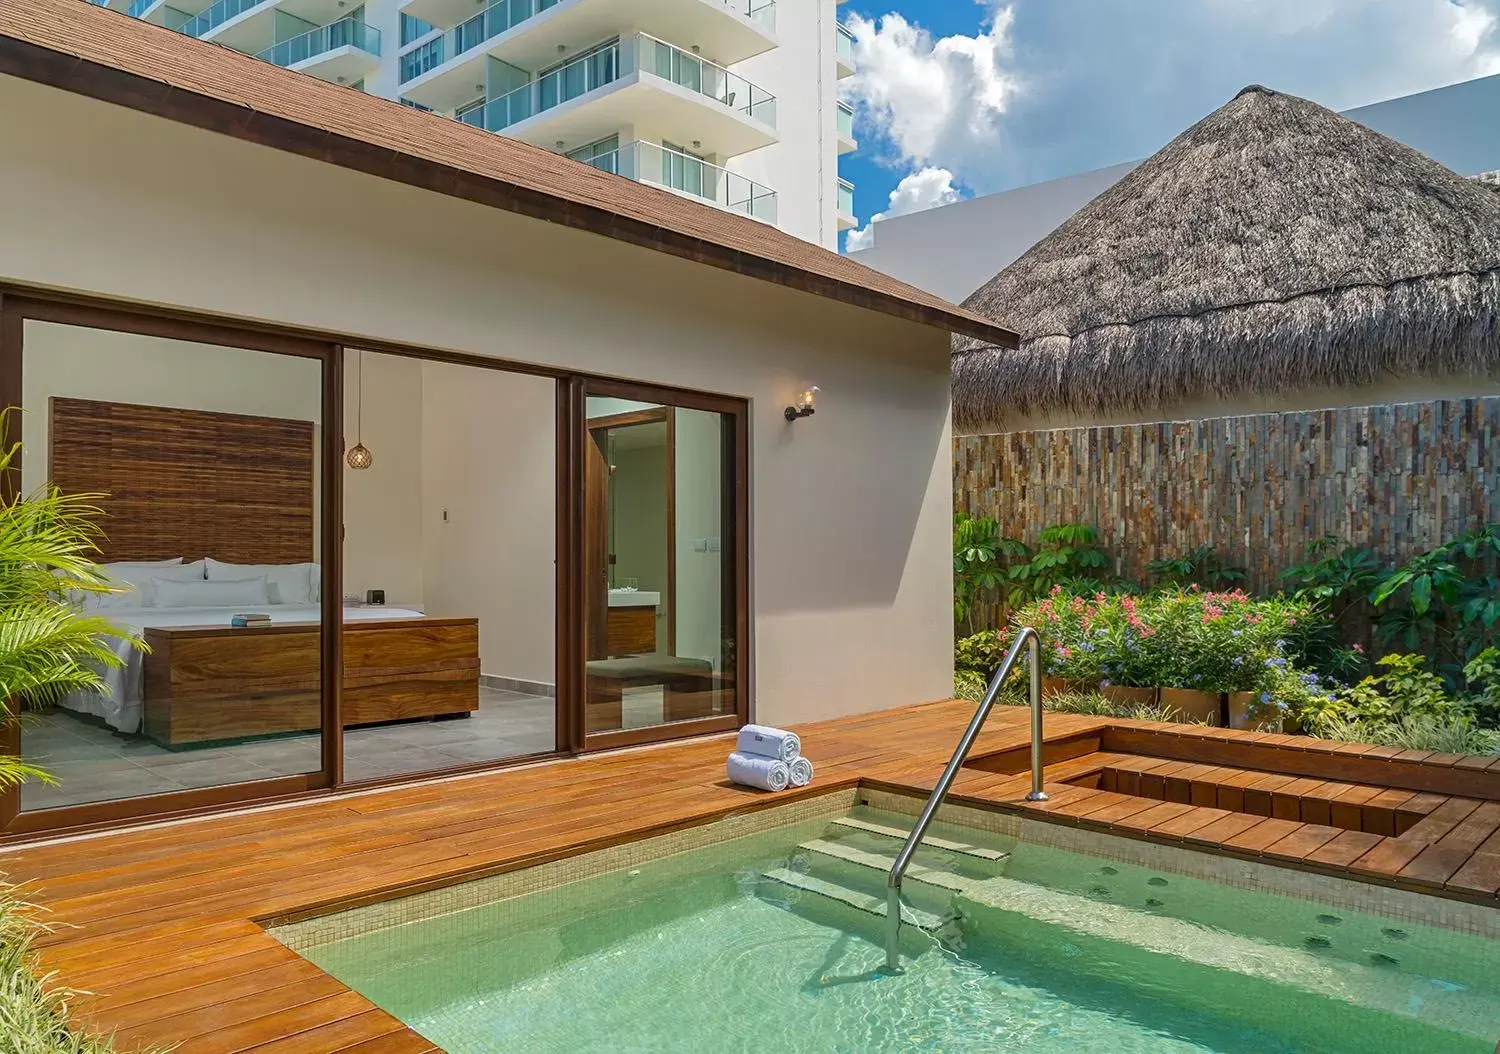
x: 208, y: 515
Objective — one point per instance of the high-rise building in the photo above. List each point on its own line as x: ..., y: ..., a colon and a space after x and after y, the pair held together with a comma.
x: 733, y: 102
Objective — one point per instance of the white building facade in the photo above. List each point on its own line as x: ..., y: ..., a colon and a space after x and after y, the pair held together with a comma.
x: 954, y: 249
x: 731, y: 102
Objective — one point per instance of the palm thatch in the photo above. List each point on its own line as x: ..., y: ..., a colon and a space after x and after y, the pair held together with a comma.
x: 1273, y: 246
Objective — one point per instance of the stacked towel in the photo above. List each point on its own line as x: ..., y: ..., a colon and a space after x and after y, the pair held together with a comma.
x: 753, y: 770
x: 769, y: 742
x: 769, y: 758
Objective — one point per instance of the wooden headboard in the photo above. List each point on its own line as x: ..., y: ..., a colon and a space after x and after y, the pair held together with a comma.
x: 188, y: 483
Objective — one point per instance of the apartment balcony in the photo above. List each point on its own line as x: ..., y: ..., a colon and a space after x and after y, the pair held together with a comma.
x: 532, y: 34
x: 639, y: 82
x: 343, y: 52
x: 845, y: 120
x: 844, y: 52
x: 245, y: 25
x: 847, y: 218
x: 690, y: 177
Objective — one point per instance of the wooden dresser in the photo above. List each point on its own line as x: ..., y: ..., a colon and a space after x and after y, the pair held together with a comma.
x: 205, y: 683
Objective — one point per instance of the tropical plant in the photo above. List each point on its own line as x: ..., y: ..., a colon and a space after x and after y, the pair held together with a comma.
x: 981, y: 653
x: 1067, y: 555
x: 48, y: 647
x: 1339, y: 576
x: 34, y: 1009
x: 1456, y: 734
x: 1446, y: 599
x: 1482, y: 674
x: 1201, y: 567
x: 980, y: 558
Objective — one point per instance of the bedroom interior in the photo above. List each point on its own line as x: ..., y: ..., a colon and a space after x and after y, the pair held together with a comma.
x: 210, y: 461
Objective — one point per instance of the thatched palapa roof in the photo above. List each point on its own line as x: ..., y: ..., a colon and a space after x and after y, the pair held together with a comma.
x: 1272, y: 246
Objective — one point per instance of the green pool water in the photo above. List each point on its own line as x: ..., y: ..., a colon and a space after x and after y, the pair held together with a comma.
x: 763, y: 944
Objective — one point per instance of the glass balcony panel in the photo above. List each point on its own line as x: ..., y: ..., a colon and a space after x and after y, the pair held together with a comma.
x: 846, y: 121
x: 845, y: 45
x: 697, y: 74
x: 693, y: 176
x: 215, y: 16
x: 846, y: 198
x: 418, y: 61
x: 762, y: 13
x: 346, y: 32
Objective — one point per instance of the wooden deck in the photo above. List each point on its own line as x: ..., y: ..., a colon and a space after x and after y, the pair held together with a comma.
x: 164, y: 924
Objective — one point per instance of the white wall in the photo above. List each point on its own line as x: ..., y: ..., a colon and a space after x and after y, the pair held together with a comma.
x: 488, y: 511
x: 851, y: 509
x: 383, y: 503
x: 803, y: 166
x: 700, y: 486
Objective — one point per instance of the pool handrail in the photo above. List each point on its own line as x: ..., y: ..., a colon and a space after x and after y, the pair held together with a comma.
x: 1025, y: 637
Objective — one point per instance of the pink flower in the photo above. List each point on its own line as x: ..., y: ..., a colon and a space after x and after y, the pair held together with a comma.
x: 1359, y: 648
x: 1056, y: 590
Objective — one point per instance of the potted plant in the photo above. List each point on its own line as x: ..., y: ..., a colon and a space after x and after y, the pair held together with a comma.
x: 1130, y: 662
x: 48, y: 647
x: 1070, y: 659
x: 1188, y: 629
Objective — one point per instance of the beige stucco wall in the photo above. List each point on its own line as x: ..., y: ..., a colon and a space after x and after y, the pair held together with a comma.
x: 850, y: 509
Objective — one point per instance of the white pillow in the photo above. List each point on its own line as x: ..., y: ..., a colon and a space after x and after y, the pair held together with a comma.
x: 241, y: 593
x: 138, y: 577
x: 285, y: 583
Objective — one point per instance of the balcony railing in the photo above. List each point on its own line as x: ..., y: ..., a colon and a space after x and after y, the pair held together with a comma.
x: 761, y: 12
x: 846, y: 120
x: 346, y: 32
x: 609, y: 64
x: 418, y: 61
x: 707, y: 78
x: 846, y: 198
x: 498, y: 18
x: 215, y: 16
x: 662, y: 167
x: 845, y: 45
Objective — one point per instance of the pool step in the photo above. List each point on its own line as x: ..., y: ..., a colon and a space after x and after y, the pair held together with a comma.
x: 915, y: 872
x: 963, y: 848
x: 869, y: 903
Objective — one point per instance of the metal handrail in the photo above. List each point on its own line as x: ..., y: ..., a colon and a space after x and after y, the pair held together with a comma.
x: 1028, y: 638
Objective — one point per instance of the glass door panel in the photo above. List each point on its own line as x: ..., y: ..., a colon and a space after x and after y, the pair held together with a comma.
x: 660, y: 611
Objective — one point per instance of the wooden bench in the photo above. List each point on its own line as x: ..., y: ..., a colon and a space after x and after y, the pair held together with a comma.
x: 687, y: 688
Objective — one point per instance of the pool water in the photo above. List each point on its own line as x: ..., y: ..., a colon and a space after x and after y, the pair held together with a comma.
x: 769, y: 943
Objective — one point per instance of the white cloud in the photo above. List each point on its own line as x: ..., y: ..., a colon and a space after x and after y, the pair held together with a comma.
x: 1050, y: 87
x: 923, y: 189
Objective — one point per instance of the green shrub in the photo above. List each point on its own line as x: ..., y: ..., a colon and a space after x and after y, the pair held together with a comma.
x: 982, y: 653
x: 969, y: 685
x: 1096, y: 705
x: 1454, y: 734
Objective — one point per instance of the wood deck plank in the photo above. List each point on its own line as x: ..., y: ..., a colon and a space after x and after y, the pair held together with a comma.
x: 163, y: 923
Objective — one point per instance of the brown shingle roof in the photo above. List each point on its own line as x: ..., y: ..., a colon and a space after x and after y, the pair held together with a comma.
x: 73, y: 45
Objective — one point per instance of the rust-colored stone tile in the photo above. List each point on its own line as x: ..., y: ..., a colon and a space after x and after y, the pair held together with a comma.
x: 1344, y: 849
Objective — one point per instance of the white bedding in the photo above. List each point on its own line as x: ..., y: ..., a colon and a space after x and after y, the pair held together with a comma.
x: 120, y: 702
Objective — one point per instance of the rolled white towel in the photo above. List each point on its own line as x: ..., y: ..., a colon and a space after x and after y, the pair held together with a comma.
x: 769, y: 742
x: 753, y: 770
x: 801, y: 771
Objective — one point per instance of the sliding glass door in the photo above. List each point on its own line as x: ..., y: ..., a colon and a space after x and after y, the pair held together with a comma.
x: 193, y: 469
x: 662, y: 613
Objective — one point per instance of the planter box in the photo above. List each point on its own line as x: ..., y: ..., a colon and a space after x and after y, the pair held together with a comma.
x: 1066, y: 686
x: 1193, y: 706
x: 1129, y: 696
x: 1240, y: 706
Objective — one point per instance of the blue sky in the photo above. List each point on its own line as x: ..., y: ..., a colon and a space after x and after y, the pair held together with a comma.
x: 958, y: 97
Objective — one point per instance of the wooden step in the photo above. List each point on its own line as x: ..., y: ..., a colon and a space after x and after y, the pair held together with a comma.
x: 1018, y: 759
x: 1332, y: 803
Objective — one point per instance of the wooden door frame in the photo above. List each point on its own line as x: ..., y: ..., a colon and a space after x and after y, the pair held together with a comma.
x: 640, y: 417
x: 19, y: 303
x: 16, y: 309
x: 736, y: 513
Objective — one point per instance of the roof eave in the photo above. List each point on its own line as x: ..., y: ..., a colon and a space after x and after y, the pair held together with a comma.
x: 34, y: 62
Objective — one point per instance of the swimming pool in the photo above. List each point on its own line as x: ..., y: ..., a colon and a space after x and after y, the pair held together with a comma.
x: 773, y: 941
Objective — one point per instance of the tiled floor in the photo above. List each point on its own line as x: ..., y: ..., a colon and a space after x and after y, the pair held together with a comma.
x: 95, y: 763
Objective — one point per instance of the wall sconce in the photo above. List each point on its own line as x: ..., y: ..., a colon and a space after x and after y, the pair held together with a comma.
x: 805, y: 406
